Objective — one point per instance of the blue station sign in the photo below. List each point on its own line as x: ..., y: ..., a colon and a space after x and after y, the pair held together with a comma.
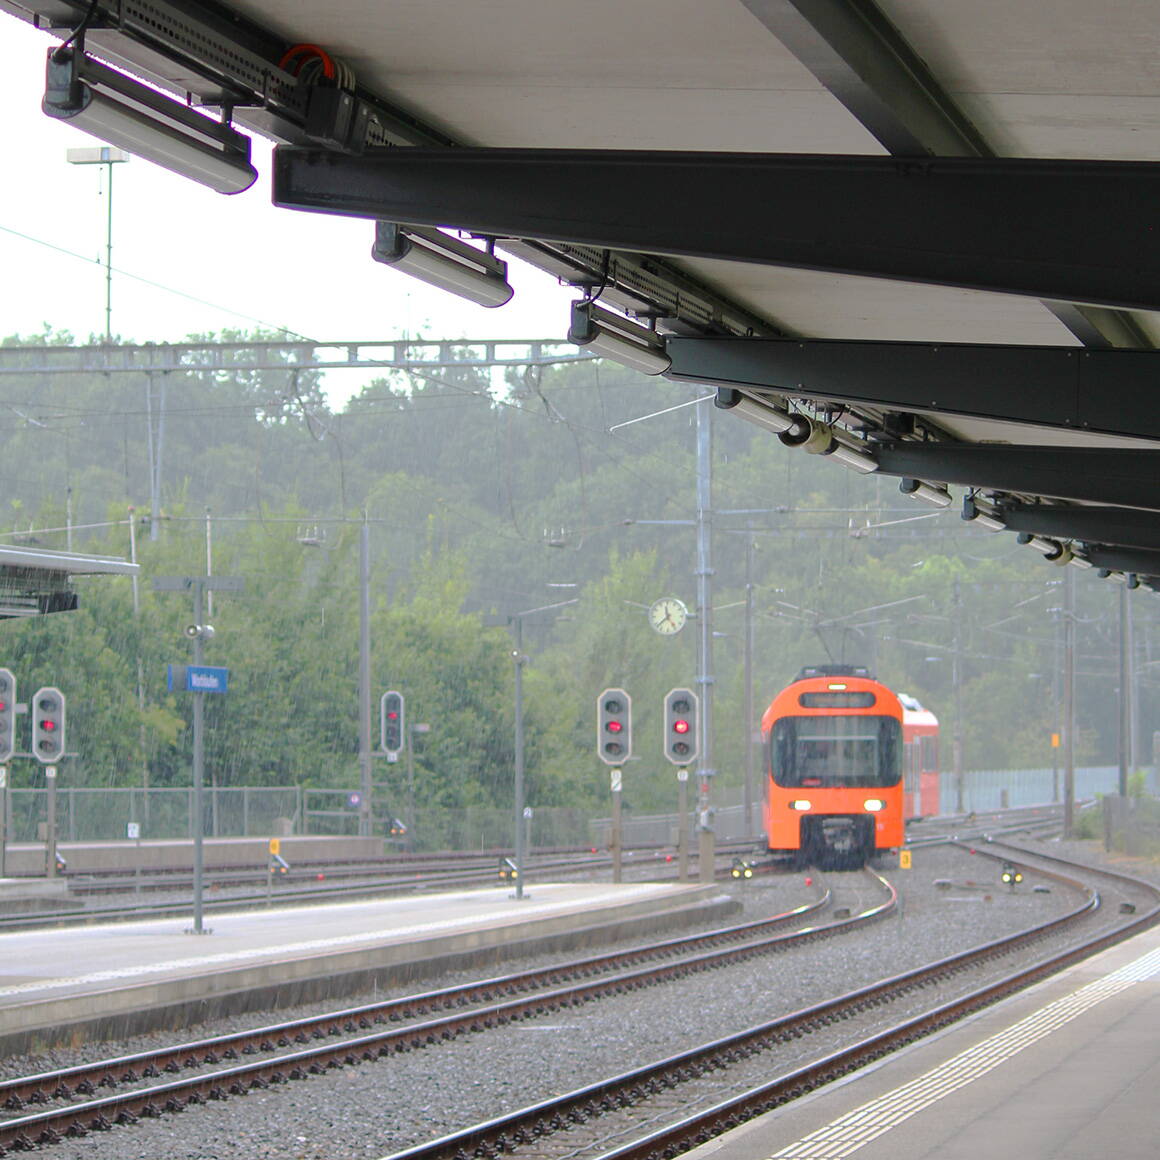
x: 197, y: 679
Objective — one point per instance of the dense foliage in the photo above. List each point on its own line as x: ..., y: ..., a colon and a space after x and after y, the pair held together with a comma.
x: 488, y: 499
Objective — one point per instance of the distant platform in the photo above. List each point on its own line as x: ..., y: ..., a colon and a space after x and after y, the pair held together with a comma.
x: 19, y: 894
x: 176, y: 854
x: 112, y: 980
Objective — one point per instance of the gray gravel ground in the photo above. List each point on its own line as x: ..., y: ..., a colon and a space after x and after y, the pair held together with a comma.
x: 374, y: 1110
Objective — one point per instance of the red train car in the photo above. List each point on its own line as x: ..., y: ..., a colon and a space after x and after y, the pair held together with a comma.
x: 920, y: 775
x: 833, y: 743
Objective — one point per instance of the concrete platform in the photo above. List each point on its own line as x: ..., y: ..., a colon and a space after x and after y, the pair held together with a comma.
x: 20, y: 894
x: 1069, y: 1070
x: 109, y: 981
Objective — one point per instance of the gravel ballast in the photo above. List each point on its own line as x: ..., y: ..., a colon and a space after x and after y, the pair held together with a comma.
x: 376, y: 1109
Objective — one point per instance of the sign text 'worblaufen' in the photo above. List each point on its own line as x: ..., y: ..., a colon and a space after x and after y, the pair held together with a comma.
x: 197, y: 679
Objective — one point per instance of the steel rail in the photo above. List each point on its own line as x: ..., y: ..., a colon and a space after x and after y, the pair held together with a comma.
x: 506, y: 1133
x: 700, y: 951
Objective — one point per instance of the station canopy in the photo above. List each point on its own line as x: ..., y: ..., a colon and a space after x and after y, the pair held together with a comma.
x: 912, y: 236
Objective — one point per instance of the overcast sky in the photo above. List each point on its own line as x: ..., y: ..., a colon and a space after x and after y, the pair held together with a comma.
x: 188, y: 260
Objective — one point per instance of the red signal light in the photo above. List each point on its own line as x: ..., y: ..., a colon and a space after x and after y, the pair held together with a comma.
x: 680, y: 726
x: 614, y: 726
x: 48, y: 726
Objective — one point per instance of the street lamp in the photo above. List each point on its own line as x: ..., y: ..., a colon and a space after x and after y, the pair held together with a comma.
x: 520, y: 659
x: 107, y: 156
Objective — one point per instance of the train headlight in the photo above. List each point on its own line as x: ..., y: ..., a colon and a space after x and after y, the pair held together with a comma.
x: 801, y: 804
x: 874, y: 805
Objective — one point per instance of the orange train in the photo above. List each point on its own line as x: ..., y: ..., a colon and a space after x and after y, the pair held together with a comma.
x: 847, y: 761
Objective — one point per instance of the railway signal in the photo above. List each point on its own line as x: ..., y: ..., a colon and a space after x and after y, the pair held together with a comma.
x: 48, y: 725
x: 681, y: 743
x: 1012, y: 875
x: 392, y: 710
x: 614, y: 726
x: 7, y: 715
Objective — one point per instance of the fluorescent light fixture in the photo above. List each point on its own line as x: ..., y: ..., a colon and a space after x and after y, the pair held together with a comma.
x: 928, y: 493
x: 982, y: 514
x: 113, y: 107
x: 441, y: 260
x: 1078, y: 561
x: 1052, y: 550
x: 848, y: 456
x: 618, y: 338
x: 1128, y: 578
x: 760, y: 414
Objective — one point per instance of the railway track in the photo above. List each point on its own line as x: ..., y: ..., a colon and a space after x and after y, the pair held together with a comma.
x: 296, y: 1049
x: 658, y: 1111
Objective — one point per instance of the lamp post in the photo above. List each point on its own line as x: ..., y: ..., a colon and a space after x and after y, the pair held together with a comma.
x: 519, y: 660
x: 107, y: 156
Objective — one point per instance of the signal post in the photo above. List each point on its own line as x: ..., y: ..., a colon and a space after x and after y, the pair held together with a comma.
x: 614, y: 747
x: 48, y: 748
x: 681, y: 746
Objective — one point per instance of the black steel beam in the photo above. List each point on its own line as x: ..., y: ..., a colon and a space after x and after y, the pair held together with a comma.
x: 1080, y: 231
x: 1109, y: 391
x: 1125, y: 560
x: 1097, y: 525
x: 855, y: 51
x: 1119, y: 478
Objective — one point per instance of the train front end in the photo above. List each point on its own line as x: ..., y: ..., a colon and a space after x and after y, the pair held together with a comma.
x: 833, y: 749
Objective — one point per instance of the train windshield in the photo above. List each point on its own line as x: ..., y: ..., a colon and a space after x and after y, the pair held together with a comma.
x: 836, y: 750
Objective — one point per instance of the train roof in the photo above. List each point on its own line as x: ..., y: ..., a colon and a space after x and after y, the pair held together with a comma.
x: 835, y: 671
x: 913, y: 713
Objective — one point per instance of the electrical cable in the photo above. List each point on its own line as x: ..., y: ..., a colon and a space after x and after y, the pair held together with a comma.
x: 158, y: 285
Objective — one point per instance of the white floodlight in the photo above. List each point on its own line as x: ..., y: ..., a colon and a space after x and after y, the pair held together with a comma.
x: 809, y: 435
x: 928, y: 493
x: 117, y: 109
x: 618, y: 338
x: 443, y: 261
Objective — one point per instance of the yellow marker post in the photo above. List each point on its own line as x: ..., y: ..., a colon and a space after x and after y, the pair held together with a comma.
x: 904, y: 859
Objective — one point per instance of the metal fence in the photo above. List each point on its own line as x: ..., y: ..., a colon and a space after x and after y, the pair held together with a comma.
x: 100, y: 815
x: 992, y: 789
x: 269, y: 811
x: 92, y: 815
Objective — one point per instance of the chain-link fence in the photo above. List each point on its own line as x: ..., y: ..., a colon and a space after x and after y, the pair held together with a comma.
x: 92, y: 815
x: 101, y: 815
x: 993, y: 789
x: 89, y: 815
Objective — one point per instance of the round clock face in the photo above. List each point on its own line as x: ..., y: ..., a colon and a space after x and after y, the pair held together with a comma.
x: 668, y: 615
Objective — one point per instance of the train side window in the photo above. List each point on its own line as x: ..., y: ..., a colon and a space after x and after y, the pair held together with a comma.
x: 929, y: 752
